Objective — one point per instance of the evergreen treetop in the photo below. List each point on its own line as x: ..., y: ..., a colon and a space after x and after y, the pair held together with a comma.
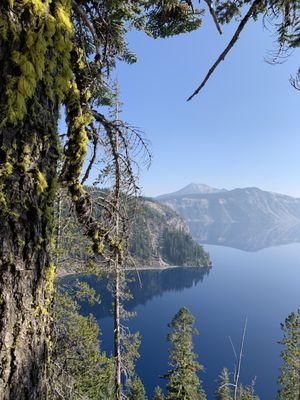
x: 158, y: 394
x: 136, y: 390
x: 289, y: 379
x: 183, y: 382
x: 224, y: 392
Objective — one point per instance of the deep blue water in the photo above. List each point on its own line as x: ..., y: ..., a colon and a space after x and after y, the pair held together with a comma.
x: 264, y: 286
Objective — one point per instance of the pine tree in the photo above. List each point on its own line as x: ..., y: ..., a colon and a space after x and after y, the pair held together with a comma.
x: 158, y: 394
x: 289, y: 379
x: 246, y: 393
x: 79, y: 368
x: 183, y: 382
x: 224, y: 392
x: 136, y: 390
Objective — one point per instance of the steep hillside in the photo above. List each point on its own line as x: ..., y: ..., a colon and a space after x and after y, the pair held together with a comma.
x: 161, y: 237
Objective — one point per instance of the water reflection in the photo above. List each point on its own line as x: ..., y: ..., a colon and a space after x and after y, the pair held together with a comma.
x: 154, y: 283
x: 245, y: 236
x: 263, y: 285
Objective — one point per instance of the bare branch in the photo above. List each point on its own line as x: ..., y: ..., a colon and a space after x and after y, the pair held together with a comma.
x: 295, y: 80
x: 232, y: 42
x: 93, y: 158
x: 88, y: 24
x: 233, y: 348
x: 214, y: 15
x: 238, y: 368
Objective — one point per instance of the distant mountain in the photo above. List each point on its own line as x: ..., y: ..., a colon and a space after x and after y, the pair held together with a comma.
x: 231, y: 217
x: 192, y: 188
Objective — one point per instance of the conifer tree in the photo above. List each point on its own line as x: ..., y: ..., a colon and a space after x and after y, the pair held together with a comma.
x: 246, y: 393
x: 183, y: 382
x: 289, y: 379
x: 79, y: 369
x: 224, y: 392
x: 136, y: 390
x: 158, y: 394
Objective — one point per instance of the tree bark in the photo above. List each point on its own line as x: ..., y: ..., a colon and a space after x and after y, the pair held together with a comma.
x: 28, y: 163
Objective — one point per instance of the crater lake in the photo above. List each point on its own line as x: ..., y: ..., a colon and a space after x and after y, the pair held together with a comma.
x: 262, y: 286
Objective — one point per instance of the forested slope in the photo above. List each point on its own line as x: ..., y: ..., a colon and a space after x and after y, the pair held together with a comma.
x: 161, y: 237
x: 158, y: 237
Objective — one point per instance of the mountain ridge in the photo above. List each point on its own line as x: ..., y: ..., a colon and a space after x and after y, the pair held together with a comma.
x: 214, y: 217
x: 184, y: 191
x: 193, y: 188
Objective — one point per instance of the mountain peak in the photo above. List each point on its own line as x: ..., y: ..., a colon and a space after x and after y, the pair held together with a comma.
x: 194, y: 188
x: 198, y: 188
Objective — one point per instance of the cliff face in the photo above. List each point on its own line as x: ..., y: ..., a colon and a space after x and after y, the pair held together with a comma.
x: 161, y: 237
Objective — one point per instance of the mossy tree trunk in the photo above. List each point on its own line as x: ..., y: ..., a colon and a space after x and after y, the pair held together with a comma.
x: 35, y: 42
x: 28, y: 162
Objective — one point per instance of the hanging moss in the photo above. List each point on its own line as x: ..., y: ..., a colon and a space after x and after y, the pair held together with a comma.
x: 51, y: 36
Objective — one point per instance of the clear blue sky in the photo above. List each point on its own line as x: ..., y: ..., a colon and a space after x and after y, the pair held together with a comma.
x: 242, y: 130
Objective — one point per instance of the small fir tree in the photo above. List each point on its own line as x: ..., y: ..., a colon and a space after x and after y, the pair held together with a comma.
x: 183, y: 382
x: 224, y: 392
x: 158, y: 394
x: 246, y: 393
x: 136, y: 390
x: 289, y: 379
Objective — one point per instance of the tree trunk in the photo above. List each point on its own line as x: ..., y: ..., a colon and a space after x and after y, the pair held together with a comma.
x: 28, y: 163
x: 117, y: 333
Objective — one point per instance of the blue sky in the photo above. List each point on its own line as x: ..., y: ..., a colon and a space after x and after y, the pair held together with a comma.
x: 242, y: 130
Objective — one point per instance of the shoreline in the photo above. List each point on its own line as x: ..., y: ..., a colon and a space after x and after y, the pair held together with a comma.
x: 63, y: 274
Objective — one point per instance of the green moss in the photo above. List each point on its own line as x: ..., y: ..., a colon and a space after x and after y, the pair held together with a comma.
x: 3, y: 200
x: 41, y: 182
x: 25, y: 159
x: 46, y: 296
x: 49, y: 278
x: 6, y: 169
x: 3, y: 28
x: 50, y: 36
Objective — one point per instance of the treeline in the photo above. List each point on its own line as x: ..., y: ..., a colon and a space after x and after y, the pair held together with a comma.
x: 179, y: 248
x: 81, y: 370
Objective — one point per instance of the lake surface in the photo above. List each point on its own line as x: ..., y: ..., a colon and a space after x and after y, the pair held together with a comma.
x: 264, y: 286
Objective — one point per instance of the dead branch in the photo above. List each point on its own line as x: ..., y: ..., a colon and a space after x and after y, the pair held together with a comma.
x: 295, y: 80
x: 93, y: 158
x: 232, y: 42
x: 238, y: 367
x: 214, y: 16
x: 88, y: 24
